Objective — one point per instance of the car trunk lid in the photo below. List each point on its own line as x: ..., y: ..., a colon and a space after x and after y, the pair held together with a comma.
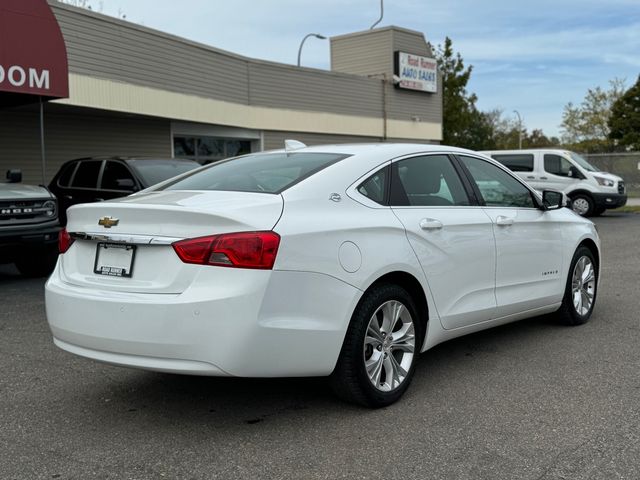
x: 144, y: 226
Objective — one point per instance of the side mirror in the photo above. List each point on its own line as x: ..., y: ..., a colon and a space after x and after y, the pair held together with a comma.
x: 127, y: 183
x: 14, y: 176
x: 553, y: 200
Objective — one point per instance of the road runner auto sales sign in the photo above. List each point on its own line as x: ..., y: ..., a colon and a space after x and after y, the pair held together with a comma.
x: 414, y: 72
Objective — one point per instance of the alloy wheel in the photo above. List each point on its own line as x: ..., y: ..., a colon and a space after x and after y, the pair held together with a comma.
x: 583, y: 285
x: 389, y: 345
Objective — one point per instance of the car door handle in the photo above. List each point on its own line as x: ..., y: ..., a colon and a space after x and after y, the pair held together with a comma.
x: 430, y: 224
x: 504, y: 221
x: 67, y: 197
x: 544, y: 178
x: 531, y: 177
x: 99, y: 199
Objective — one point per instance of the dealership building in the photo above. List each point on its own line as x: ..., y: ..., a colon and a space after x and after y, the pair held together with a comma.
x: 75, y: 83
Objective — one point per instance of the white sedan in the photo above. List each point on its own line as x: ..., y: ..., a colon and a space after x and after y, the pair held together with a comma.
x: 344, y: 260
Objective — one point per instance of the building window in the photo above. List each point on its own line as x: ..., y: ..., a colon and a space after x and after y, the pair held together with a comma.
x: 209, y: 149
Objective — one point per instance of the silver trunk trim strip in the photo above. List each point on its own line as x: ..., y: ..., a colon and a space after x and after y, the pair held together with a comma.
x: 129, y: 239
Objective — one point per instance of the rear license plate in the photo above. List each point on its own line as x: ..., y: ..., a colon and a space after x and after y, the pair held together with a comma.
x: 114, y: 260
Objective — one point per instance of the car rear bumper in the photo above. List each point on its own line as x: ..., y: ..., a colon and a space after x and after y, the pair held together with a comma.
x: 279, y: 324
x: 609, y: 200
x: 30, y: 235
x: 27, y: 238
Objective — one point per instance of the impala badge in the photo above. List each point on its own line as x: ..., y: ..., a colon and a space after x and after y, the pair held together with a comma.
x: 108, y: 222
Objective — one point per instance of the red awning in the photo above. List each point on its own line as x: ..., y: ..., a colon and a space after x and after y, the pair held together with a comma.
x: 33, y: 57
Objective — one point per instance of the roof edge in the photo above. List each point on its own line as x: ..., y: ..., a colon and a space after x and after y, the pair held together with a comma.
x: 379, y: 30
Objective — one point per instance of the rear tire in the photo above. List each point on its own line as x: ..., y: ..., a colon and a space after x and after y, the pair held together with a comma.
x: 582, y: 204
x: 581, y: 289
x: 374, y: 368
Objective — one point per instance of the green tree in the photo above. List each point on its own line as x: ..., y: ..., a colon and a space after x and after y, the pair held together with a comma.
x: 585, y: 127
x: 624, y: 122
x: 463, y: 125
x: 537, y: 139
x: 505, y: 130
x: 506, y: 134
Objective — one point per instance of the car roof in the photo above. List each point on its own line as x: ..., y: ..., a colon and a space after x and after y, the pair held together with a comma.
x: 391, y: 150
x: 365, y: 156
x: 127, y: 158
x: 360, y: 159
x: 527, y: 150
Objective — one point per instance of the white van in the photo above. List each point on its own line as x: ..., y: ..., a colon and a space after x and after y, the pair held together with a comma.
x: 591, y: 191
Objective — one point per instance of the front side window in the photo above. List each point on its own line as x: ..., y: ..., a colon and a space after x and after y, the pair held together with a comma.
x: 116, y: 176
x: 427, y: 181
x: 556, y: 165
x: 262, y: 173
x: 497, y: 187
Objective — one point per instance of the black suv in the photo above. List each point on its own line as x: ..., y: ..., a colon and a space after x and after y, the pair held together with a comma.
x: 95, y: 179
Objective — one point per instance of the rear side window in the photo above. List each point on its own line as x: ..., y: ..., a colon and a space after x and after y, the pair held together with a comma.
x: 263, y: 173
x: 516, y: 162
x: 376, y: 186
x: 65, y: 175
x: 87, y: 174
x: 427, y: 181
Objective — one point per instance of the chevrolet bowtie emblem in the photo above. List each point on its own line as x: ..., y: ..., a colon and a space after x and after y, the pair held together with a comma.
x: 108, y: 222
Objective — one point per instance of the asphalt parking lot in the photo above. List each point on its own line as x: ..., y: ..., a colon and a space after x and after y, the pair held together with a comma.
x: 530, y: 400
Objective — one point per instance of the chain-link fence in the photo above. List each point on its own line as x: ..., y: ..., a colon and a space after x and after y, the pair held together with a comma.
x: 625, y: 165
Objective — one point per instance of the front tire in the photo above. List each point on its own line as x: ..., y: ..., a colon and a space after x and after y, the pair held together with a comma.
x: 580, y: 291
x: 583, y: 204
x: 379, y: 353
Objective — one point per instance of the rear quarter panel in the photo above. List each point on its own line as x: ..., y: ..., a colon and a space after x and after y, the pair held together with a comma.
x: 348, y: 241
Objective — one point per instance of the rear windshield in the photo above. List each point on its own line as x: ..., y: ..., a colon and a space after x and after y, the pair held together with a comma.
x: 264, y: 173
x: 156, y: 171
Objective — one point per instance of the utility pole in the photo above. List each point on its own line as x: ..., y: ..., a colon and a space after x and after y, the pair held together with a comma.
x: 519, y: 129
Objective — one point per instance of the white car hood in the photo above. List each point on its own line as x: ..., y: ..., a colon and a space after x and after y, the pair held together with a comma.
x: 16, y: 191
x: 608, y: 176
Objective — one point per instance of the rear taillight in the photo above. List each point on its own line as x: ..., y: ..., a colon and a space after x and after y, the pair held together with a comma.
x: 239, y: 250
x: 64, y: 240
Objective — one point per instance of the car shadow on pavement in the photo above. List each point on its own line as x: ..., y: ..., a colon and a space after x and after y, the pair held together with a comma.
x: 11, y: 282
x: 161, y: 398
x: 9, y: 272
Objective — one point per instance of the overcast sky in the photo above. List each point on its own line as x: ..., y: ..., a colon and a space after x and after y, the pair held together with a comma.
x: 532, y: 56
